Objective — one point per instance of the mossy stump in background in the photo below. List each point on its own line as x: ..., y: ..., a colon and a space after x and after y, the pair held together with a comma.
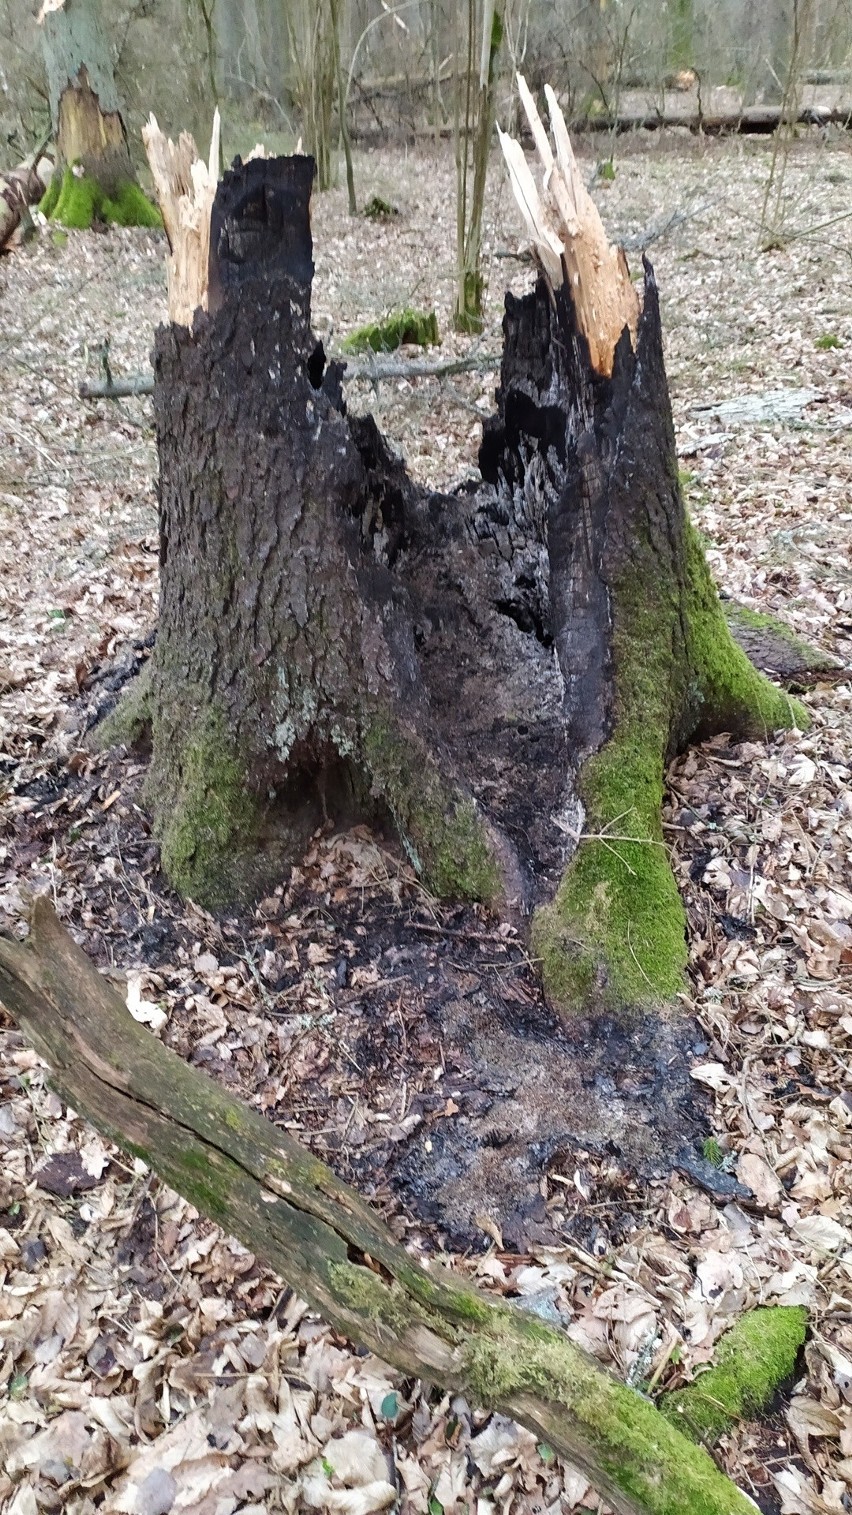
x: 95, y: 179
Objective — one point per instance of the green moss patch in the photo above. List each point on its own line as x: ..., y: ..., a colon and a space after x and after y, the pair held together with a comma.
x: 76, y: 200
x: 419, y: 327
x: 442, y: 832
x: 377, y: 209
x: 615, y: 932
x: 728, y: 693
x: 753, y: 1360
x: 209, y: 831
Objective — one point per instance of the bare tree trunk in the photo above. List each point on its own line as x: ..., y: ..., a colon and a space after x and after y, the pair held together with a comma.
x: 315, y: 48
x: 94, y: 178
x: 474, y: 130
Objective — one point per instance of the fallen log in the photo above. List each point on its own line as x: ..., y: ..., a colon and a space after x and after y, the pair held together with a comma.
x: 374, y: 369
x: 19, y: 189
x: 117, y: 389
x: 260, y: 1185
x: 757, y: 119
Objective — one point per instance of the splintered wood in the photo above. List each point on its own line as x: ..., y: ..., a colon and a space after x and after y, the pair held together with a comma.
x: 185, y: 187
x: 567, y: 234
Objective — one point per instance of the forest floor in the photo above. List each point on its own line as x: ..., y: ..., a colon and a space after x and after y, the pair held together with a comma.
x: 146, y: 1361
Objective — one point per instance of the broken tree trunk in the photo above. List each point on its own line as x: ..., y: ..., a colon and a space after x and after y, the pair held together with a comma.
x: 499, y: 674
x: 289, y: 1209
x: 94, y: 179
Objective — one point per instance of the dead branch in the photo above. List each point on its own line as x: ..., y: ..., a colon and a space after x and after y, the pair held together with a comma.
x: 19, y: 189
x: 259, y: 1184
x: 373, y: 369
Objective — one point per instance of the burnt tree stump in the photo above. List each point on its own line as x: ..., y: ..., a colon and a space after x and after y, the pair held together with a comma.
x: 499, y: 674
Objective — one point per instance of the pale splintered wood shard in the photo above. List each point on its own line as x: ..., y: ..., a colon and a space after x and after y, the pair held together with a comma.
x: 185, y: 187
x: 567, y: 234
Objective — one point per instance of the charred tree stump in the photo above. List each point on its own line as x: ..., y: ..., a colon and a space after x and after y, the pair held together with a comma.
x: 501, y: 674
x: 325, y: 1241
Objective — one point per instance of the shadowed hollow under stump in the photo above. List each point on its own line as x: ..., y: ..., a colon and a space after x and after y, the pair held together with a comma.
x: 499, y: 675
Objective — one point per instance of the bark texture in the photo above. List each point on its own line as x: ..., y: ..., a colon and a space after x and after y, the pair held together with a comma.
x: 501, y: 673
x: 291, y: 1211
x: 94, y: 176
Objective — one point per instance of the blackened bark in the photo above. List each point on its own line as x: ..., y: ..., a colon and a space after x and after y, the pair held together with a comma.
x: 344, y: 638
x: 491, y: 670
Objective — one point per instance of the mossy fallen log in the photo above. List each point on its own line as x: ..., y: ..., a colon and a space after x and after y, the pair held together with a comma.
x: 753, y: 1360
x: 259, y: 1184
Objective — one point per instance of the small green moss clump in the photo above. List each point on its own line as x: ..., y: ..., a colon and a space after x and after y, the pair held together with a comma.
x: 753, y: 1360
x: 209, y: 831
x: 377, y: 209
x: 76, y: 200
x: 419, y: 327
x: 442, y: 833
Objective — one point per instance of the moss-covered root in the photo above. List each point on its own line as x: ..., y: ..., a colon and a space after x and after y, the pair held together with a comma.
x: 615, y: 932
x: 76, y: 200
x: 440, y: 828
x: 419, y: 327
x: 727, y: 692
x: 752, y: 1362
x: 208, y: 824
x: 129, y: 723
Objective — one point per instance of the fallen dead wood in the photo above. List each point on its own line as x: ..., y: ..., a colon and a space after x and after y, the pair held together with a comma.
x: 759, y: 119
x: 118, y: 389
x: 19, y: 189
x: 290, y: 1210
x: 374, y: 369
